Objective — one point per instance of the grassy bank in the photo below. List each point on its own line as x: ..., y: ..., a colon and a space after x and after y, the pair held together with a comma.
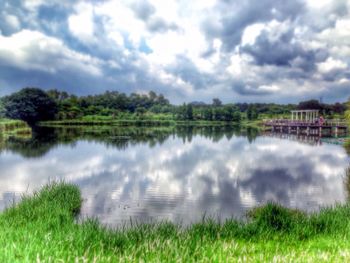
x: 43, y: 228
x: 14, y: 128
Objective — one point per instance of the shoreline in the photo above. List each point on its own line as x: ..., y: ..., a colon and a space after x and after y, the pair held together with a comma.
x: 152, y: 123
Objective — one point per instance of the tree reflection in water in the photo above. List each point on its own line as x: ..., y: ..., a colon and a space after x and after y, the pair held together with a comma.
x: 46, y: 138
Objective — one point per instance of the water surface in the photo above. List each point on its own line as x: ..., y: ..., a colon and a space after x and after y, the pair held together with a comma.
x: 153, y: 174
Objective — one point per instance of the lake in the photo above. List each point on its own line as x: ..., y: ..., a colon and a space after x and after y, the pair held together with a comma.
x: 177, y: 174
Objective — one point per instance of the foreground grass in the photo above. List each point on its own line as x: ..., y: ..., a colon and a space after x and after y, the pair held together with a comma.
x: 43, y: 228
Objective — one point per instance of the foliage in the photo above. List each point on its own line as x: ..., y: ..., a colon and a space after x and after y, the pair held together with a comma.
x: 120, y: 106
x: 252, y: 113
x: 30, y: 105
x: 2, y: 108
x: 270, y: 233
x: 217, y: 102
x: 347, y: 113
x: 326, y: 109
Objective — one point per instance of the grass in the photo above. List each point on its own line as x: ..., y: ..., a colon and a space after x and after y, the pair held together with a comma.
x: 43, y: 228
x: 14, y: 128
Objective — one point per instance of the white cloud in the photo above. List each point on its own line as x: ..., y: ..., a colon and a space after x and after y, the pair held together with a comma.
x: 339, y: 35
x: 12, y: 21
x: 251, y: 33
x: 319, y: 4
x: 121, y: 20
x: 32, y: 4
x: 330, y: 65
x: 267, y: 88
x: 117, y: 37
x: 30, y: 50
x: 81, y: 24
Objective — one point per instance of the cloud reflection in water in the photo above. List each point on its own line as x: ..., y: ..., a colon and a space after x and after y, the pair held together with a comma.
x: 181, y: 181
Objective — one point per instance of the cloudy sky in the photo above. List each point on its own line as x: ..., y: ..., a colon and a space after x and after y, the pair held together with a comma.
x: 253, y: 50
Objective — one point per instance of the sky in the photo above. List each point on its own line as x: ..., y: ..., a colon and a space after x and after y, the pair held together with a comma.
x: 239, y: 51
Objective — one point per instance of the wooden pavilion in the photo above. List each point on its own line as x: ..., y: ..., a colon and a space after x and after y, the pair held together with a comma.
x: 307, y: 122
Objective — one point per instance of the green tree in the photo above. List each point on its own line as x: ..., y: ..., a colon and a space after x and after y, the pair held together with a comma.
x: 140, y: 111
x: 2, y: 108
x: 218, y: 113
x: 217, y: 102
x: 207, y: 113
x: 30, y: 105
x: 181, y: 113
x: 228, y: 111
x: 310, y: 105
x: 189, y: 112
x: 252, y: 113
x: 236, y: 117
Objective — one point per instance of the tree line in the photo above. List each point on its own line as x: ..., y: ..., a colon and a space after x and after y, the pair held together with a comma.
x: 34, y: 104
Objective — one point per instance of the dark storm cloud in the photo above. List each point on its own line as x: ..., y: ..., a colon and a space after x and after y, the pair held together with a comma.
x: 188, y: 71
x: 335, y: 74
x: 146, y: 12
x: 143, y: 9
x: 249, y: 88
x: 283, y: 52
x: 160, y: 25
x: 235, y: 16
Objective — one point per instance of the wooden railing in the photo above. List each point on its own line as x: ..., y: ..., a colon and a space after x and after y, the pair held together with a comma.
x: 288, y: 122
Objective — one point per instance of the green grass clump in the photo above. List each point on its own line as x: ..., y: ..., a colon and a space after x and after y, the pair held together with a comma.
x: 14, y: 128
x: 43, y: 228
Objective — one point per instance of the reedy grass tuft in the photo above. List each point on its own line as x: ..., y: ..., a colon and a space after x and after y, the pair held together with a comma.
x: 42, y: 227
x: 14, y: 128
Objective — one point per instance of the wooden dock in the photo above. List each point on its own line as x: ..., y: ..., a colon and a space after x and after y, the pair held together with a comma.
x: 328, y: 128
